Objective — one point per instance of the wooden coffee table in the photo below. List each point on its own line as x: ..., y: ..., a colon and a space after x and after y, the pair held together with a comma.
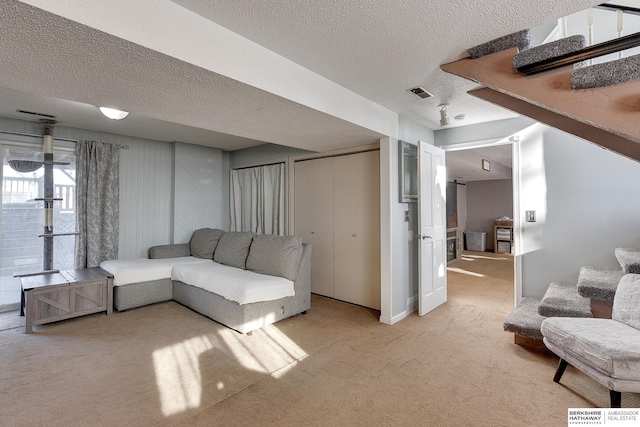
x: 58, y: 296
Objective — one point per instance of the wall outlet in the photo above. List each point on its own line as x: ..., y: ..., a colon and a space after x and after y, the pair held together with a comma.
x: 406, y: 216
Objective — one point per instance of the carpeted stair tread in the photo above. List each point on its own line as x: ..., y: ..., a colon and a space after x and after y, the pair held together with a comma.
x: 521, y: 39
x: 599, y: 283
x: 549, y: 50
x: 524, y: 320
x: 563, y: 300
x: 629, y: 259
x: 606, y: 74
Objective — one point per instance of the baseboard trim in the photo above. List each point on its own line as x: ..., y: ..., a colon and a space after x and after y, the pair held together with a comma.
x: 395, y: 319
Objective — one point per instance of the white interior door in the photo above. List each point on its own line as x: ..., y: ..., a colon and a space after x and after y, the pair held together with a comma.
x: 432, y: 219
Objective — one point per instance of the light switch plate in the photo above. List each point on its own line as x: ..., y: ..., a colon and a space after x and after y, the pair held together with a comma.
x: 530, y: 215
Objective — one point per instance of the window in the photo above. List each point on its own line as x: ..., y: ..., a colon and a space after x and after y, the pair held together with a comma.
x: 21, y: 250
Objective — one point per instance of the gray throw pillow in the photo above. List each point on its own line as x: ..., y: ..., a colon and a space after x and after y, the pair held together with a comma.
x: 275, y: 255
x: 204, y: 241
x: 233, y: 248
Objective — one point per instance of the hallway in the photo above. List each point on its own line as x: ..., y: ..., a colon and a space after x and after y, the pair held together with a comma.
x: 483, y: 278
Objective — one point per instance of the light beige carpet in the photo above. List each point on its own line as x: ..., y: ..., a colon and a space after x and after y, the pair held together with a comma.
x: 166, y: 365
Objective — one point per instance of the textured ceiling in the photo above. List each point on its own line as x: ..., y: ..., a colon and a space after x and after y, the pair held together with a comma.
x: 382, y: 48
x: 72, y: 57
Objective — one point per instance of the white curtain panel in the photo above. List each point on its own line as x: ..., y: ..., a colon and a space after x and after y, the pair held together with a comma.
x: 257, y: 199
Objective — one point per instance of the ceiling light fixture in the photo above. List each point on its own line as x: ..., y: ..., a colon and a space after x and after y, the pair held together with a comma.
x: 444, y: 120
x: 113, y: 114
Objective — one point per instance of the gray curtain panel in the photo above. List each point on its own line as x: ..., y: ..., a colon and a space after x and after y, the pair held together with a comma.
x: 97, y: 198
x: 257, y: 199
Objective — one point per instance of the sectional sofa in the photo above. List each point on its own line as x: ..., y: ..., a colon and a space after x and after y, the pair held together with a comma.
x: 240, y: 279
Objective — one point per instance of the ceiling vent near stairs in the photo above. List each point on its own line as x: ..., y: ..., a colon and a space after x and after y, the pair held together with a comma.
x: 421, y: 92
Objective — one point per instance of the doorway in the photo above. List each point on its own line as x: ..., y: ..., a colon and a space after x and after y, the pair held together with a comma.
x: 481, y: 189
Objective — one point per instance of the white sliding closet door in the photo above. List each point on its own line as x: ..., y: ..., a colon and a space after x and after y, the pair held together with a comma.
x: 337, y: 210
x: 356, y: 232
x: 314, y: 219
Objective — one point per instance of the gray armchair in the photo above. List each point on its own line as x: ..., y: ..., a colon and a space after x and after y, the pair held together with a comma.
x: 608, y: 350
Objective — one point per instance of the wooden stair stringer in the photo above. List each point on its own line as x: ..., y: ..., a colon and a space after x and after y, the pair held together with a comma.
x: 605, y: 116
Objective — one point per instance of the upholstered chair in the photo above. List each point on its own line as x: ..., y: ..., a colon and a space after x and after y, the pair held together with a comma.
x: 608, y: 350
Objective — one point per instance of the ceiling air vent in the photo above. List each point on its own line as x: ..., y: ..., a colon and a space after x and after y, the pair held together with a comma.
x: 421, y: 92
x: 48, y: 116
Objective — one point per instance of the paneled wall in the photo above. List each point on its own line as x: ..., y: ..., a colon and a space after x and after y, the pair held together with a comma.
x: 147, y: 202
x: 145, y: 189
x: 145, y: 196
x: 199, y: 191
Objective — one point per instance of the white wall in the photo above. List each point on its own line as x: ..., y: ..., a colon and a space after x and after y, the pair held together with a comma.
x: 486, y: 201
x: 389, y: 231
x: 413, y: 132
x: 586, y: 204
x: 584, y: 198
x: 264, y: 153
x: 398, y: 244
x: 481, y: 132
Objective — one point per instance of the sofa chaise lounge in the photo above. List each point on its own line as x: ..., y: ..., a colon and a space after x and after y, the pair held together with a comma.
x: 239, y: 279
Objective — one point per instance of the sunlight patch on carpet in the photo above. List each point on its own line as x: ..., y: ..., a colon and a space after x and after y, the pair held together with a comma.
x: 178, y: 374
x: 177, y: 367
x: 467, y: 272
x: 467, y: 257
x: 267, y: 350
x: 284, y: 370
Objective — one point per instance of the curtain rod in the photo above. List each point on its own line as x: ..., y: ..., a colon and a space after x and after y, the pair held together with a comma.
x: 258, y: 164
x: 124, y: 147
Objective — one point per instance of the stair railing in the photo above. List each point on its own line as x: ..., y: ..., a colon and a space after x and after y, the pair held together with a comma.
x: 592, y: 51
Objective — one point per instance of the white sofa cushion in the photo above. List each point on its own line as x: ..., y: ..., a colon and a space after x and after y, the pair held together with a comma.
x: 234, y: 284
x: 136, y: 270
x: 608, y: 346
